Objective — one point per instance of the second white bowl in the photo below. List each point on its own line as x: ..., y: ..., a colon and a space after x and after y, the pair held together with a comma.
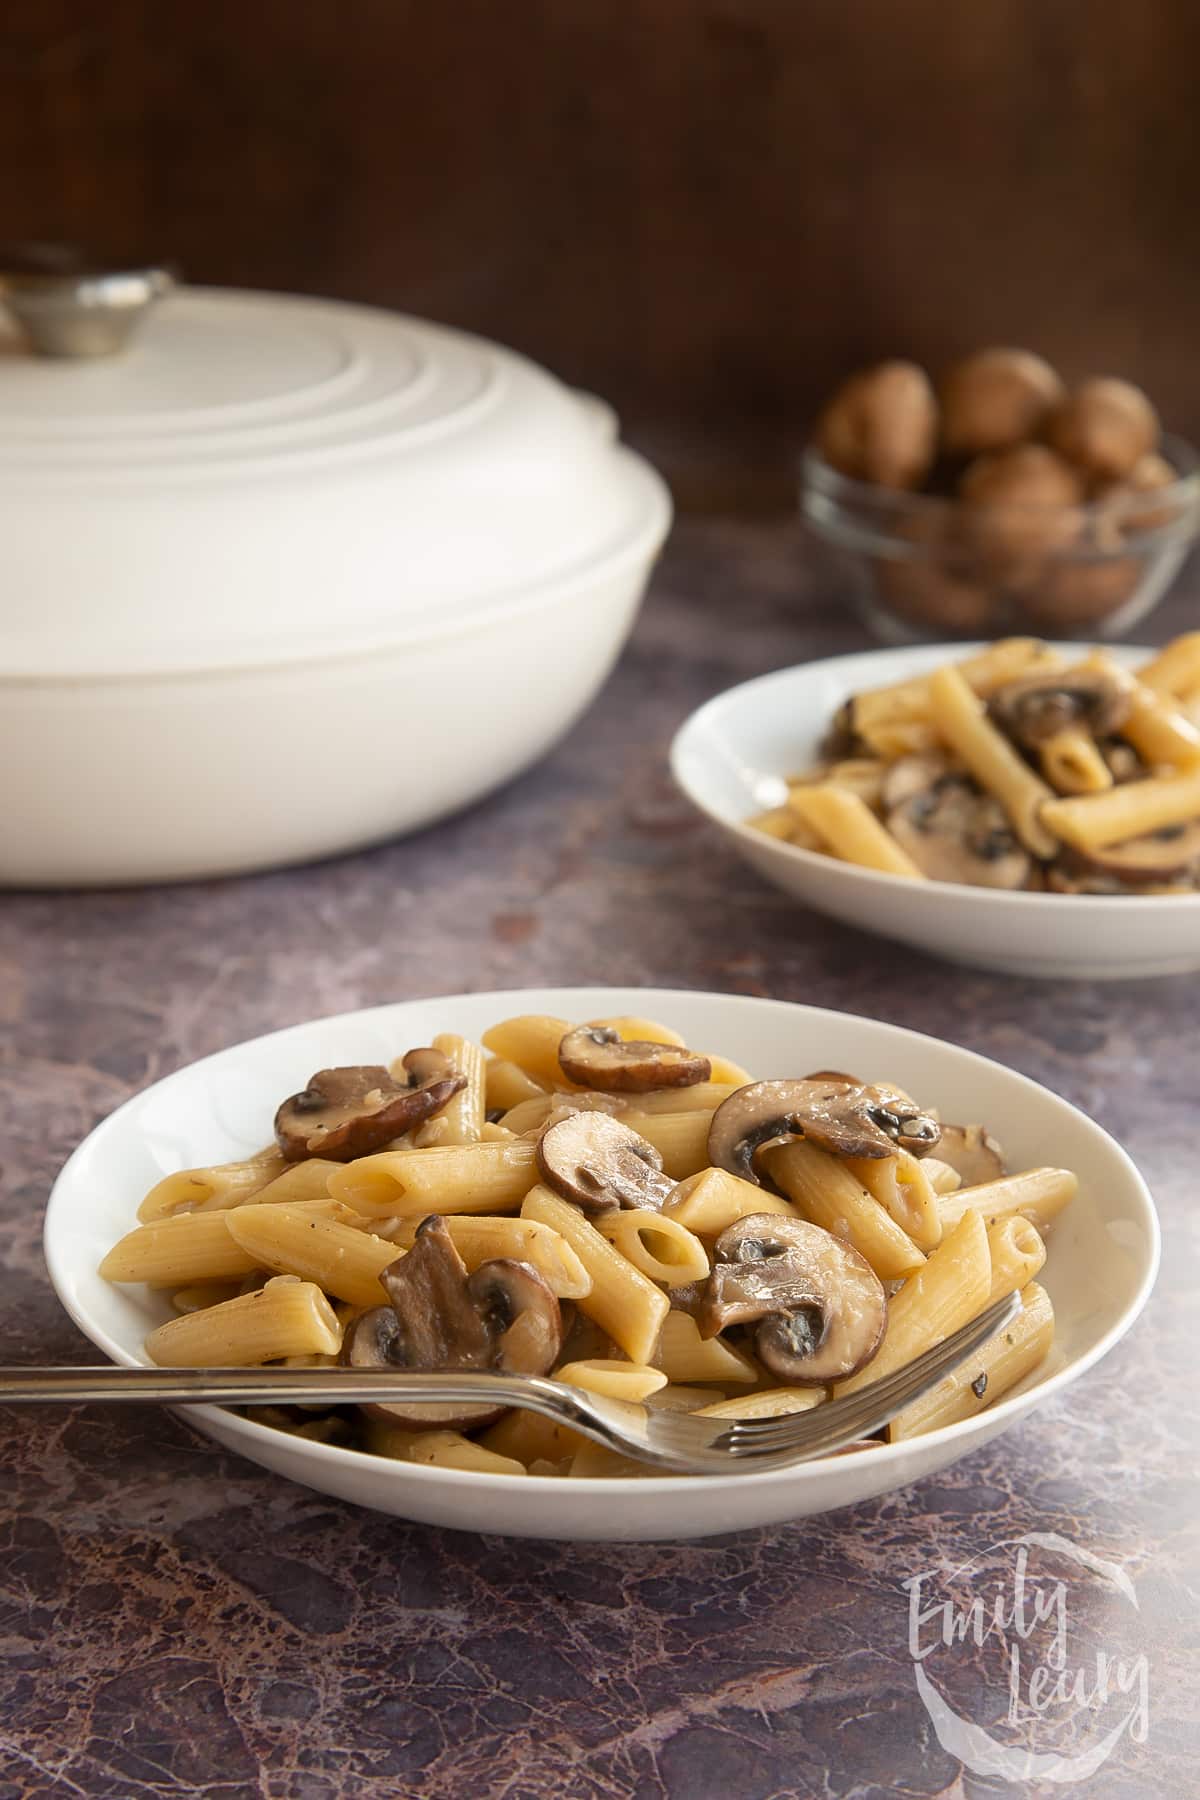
x: 729, y: 756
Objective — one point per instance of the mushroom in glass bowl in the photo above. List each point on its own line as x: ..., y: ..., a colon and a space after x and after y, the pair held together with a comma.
x: 1001, y: 502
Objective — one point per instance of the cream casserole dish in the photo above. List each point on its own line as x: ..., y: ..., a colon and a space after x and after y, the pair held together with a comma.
x: 288, y: 576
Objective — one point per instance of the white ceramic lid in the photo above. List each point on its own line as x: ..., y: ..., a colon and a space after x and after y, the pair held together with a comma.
x: 258, y: 477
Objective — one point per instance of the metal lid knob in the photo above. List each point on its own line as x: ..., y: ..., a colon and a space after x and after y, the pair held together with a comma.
x: 67, y: 308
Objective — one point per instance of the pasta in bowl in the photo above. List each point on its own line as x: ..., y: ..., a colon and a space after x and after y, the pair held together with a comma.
x: 1024, y: 806
x: 640, y: 1330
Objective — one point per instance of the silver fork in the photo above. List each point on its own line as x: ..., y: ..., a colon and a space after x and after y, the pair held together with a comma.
x: 678, y: 1442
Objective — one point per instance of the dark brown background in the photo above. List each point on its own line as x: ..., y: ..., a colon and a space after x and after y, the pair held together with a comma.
x: 705, y: 209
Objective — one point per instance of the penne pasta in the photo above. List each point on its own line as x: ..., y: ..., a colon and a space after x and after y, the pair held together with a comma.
x: 728, y: 1073
x: 438, y: 1449
x: 902, y: 1186
x: 962, y: 723
x: 823, y: 1190
x: 178, y: 1253
x: 681, y: 1139
x: 1132, y: 810
x: 299, y: 1183
x: 1158, y: 729
x: 528, y: 1437
x: 940, y: 757
x: 464, y: 1112
x: 285, y: 1318
x: 703, y: 1096
x: 850, y: 829
x: 684, y: 1356
x: 783, y: 822
x: 341, y: 1258
x: 592, y: 1462
x: 221, y: 1185
x: 950, y: 1289
x: 992, y: 1372
x: 506, y: 1085
x: 940, y: 1176
x: 1017, y: 1253
x: 620, y: 1300
x: 209, y: 1293
x: 531, y: 1041
x: 663, y: 1249
x: 1176, y: 668
x: 708, y: 1202
x: 1004, y: 661
x: 462, y: 1178
x: 771, y: 1403
x: 616, y: 1380
x: 530, y: 1114
x: 1038, y: 1195
x: 1072, y: 763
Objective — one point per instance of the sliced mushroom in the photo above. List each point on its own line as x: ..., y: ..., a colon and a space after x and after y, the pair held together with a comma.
x: 953, y: 831
x: 597, y: 1057
x: 820, y: 1308
x: 972, y: 1152
x: 504, y: 1317
x: 1037, y: 707
x: 594, y: 1160
x: 912, y: 775
x: 844, y: 1117
x: 344, y: 1113
x: 1167, y: 857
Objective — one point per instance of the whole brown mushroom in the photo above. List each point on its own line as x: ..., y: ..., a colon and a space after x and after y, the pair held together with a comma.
x: 1119, y: 500
x: 882, y: 426
x: 995, y: 399
x: 1104, y: 426
x: 1071, y: 596
x: 937, y: 584
x: 1020, y: 507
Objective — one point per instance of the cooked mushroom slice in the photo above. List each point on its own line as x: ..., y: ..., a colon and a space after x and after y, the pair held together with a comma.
x: 344, y: 1113
x: 972, y: 1152
x: 594, y: 1160
x: 820, y: 1307
x: 597, y: 1057
x: 1168, y: 856
x: 911, y: 775
x: 1039, y: 706
x: 844, y: 1117
x: 504, y: 1317
x: 953, y: 831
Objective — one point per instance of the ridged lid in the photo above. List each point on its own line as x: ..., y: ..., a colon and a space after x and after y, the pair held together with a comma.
x: 259, y: 476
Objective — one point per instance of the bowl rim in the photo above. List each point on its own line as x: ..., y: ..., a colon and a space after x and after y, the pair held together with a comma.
x: 699, y: 720
x: 577, y: 1002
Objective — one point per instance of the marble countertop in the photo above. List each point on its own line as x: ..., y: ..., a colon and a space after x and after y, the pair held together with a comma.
x: 174, y: 1621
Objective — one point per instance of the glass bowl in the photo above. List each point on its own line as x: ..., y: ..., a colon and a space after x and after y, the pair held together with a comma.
x: 924, y: 567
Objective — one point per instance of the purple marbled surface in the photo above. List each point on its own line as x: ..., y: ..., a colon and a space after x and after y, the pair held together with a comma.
x: 174, y: 1621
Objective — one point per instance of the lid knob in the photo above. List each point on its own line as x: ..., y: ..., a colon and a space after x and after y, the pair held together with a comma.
x: 67, y: 306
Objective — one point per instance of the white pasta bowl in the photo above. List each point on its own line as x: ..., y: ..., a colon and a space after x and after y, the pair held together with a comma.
x: 1103, y: 1252
x: 730, y: 758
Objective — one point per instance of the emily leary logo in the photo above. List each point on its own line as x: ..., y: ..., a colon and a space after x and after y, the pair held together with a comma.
x: 1046, y: 1702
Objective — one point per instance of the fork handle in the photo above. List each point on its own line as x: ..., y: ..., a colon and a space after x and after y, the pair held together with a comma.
x: 291, y: 1387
